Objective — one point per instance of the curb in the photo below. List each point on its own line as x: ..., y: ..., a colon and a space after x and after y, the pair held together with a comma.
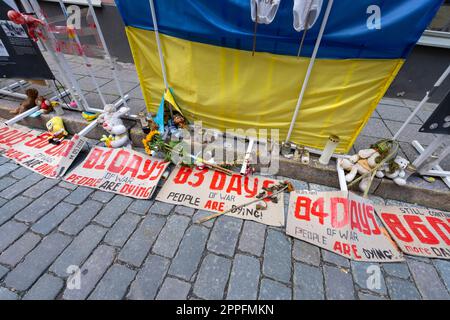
x: 314, y: 172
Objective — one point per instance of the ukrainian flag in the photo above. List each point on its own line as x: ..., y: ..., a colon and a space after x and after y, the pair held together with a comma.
x: 207, y: 46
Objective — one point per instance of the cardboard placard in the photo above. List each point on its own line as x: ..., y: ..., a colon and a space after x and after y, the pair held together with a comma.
x: 419, y: 232
x: 13, y: 135
x: 341, y: 222
x: 37, y: 154
x: 122, y: 171
x: 217, y: 192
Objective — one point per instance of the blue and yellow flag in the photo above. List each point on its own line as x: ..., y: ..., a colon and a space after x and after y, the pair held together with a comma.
x: 207, y: 46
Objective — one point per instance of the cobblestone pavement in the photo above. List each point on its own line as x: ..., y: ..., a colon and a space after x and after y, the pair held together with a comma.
x: 135, y: 249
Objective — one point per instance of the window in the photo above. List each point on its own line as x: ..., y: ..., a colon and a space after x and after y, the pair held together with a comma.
x: 438, y: 32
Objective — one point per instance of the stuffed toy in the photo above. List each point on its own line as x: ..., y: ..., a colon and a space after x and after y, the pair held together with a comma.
x: 361, y: 163
x: 45, y: 105
x: 89, y: 116
x: 55, y: 127
x: 28, y: 103
x: 113, y: 124
x: 395, y: 170
x: 179, y: 121
x: 33, y: 25
x: 368, y: 159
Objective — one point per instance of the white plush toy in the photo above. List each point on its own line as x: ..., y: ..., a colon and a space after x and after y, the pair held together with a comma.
x: 365, y: 161
x: 113, y: 124
x: 360, y: 163
x: 399, y: 174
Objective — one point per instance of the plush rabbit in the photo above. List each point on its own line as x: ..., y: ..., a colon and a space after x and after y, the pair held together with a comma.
x: 113, y: 124
x: 398, y: 174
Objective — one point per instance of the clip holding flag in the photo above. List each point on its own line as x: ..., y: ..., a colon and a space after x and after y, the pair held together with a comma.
x: 262, y: 11
x: 306, y: 13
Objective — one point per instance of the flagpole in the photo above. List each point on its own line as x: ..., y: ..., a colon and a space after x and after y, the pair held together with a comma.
x: 308, y: 72
x: 158, y: 43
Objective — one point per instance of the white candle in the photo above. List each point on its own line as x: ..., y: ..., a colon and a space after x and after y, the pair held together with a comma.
x: 331, y: 145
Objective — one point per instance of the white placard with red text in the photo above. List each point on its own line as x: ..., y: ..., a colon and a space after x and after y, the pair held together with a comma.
x: 122, y: 171
x: 420, y: 232
x: 341, y: 222
x: 217, y: 192
x: 13, y: 135
x: 37, y: 154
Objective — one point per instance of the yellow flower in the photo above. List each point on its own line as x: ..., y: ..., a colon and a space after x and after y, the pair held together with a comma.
x: 150, y: 136
x: 148, y: 139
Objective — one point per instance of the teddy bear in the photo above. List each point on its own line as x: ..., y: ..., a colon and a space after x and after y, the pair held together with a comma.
x: 28, y: 103
x: 361, y: 163
x: 113, y: 124
x: 44, y: 104
x: 395, y: 170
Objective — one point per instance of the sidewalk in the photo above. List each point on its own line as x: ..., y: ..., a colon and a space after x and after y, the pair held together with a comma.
x: 137, y: 249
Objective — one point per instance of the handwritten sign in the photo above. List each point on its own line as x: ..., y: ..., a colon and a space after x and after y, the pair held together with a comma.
x: 217, y: 192
x: 122, y: 171
x: 419, y: 232
x: 33, y: 151
x: 11, y: 136
x: 341, y: 222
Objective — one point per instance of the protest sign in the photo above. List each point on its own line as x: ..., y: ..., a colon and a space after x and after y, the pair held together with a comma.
x: 37, y: 154
x: 122, y: 171
x: 341, y: 222
x: 420, y: 232
x: 10, y: 136
x: 217, y: 192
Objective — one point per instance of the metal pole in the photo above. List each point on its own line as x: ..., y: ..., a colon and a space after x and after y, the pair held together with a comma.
x: 422, y: 103
x: 23, y: 115
x: 421, y: 150
x: 311, y: 65
x: 116, y: 104
x: 86, y: 61
x: 29, y: 112
x: 108, y: 56
x: 161, y: 56
x: 14, y: 85
x: 158, y: 43
x: 13, y: 94
x: 88, y: 128
x: 8, y: 90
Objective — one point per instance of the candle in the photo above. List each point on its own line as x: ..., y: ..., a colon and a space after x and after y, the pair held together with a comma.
x: 331, y: 145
